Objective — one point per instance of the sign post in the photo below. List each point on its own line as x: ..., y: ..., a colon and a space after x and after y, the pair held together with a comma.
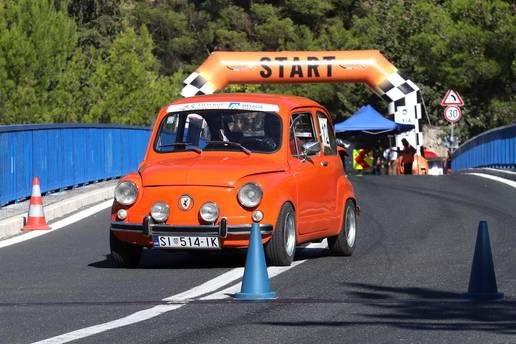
x: 452, y: 112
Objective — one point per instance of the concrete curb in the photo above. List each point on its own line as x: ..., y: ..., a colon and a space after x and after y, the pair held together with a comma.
x: 11, y: 226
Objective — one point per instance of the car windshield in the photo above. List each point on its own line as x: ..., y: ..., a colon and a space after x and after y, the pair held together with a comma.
x: 219, y: 130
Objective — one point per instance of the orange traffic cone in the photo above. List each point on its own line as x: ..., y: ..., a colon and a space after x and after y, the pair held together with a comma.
x: 36, y: 218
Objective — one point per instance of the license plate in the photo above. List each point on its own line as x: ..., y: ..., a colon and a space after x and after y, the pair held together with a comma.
x: 167, y: 241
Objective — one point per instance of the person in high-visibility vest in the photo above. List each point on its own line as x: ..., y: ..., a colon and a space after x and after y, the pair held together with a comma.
x: 362, y: 159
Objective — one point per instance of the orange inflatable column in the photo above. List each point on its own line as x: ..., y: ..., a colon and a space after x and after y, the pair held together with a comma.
x: 365, y: 66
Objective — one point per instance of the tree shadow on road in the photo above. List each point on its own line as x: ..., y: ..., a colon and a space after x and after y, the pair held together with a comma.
x: 420, y: 309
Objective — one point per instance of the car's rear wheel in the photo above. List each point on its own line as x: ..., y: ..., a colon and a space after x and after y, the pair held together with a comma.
x: 124, y: 254
x: 344, y: 243
x: 281, y: 247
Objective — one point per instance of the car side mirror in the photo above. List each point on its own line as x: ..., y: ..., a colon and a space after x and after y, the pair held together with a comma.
x: 311, y: 148
x: 341, y: 143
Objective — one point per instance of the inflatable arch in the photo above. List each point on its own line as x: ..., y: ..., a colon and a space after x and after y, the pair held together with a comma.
x: 366, y: 66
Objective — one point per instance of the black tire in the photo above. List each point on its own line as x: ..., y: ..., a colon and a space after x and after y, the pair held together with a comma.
x: 339, y: 244
x: 124, y: 254
x: 279, y: 250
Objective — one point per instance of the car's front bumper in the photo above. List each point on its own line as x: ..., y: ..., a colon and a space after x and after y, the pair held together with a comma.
x: 222, y: 230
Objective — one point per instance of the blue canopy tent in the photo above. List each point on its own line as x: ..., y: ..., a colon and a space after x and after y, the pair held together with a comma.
x: 368, y: 120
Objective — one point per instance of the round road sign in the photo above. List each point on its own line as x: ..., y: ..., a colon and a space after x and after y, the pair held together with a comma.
x: 452, y: 114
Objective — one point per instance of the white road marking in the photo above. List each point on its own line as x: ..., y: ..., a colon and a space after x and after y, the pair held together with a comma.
x: 498, y: 179
x: 128, y: 320
x: 499, y: 170
x: 210, y: 286
x: 150, y: 313
x: 272, y: 271
x: 57, y: 225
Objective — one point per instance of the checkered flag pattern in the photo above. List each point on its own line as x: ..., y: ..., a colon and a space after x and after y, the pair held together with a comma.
x: 395, y: 87
x: 195, y: 84
x: 398, y: 91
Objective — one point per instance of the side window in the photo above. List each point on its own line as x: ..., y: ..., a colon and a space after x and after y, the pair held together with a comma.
x: 301, y: 131
x: 167, y: 134
x: 326, y: 136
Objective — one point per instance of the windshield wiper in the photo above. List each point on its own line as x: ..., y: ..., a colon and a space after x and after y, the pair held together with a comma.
x: 183, y: 144
x: 233, y: 144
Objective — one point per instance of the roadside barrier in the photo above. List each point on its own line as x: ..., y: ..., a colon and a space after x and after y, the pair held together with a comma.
x: 36, y: 218
x: 255, y: 284
x: 494, y: 148
x: 482, y: 280
x: 66, y: 155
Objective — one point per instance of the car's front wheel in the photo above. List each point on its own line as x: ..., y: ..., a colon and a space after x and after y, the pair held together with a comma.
x: 281, y: 247
x: 344, y: 243
x: 124, y: 254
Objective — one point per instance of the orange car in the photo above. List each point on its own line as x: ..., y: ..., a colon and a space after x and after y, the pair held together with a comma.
x: 217, y: 163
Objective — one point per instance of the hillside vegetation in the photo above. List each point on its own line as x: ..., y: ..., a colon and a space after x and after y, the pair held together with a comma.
x: 115, y: 61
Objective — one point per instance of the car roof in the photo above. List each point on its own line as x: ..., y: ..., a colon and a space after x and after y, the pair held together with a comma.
x: 285, y: 102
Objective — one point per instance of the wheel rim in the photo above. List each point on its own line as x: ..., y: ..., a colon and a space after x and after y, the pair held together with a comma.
x: 351, y: 226
x: 289, y: 236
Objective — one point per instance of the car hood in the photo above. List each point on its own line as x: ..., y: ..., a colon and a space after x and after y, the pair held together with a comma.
x: 206, y: 170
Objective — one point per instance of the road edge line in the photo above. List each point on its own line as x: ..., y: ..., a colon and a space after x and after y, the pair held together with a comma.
x: 57, y: 225
x: 495, y: 178
x: 10, y: 226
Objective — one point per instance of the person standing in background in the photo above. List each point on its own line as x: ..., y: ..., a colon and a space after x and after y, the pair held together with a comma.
x: 378, y: 160
x: 390, y: 155
x: 448, y: 161
x: 422, y: 151
x: 407, y: 156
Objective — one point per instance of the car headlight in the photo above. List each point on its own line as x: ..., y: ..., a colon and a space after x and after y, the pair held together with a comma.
x: 126, y: 193
x: 121, y: 214
x: 257, y: 216
x: 250, y: 195
x: 160, y: 211
x: 209, y: 212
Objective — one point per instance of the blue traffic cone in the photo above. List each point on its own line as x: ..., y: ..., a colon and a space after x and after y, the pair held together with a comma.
x: 482, y: 280
x: 255, y: 285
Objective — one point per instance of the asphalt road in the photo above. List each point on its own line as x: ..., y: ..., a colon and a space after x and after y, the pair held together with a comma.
x: 404, y: 283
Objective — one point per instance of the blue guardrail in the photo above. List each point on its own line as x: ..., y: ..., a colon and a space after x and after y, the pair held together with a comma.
x: 494, y: 148
x: 66, y: 155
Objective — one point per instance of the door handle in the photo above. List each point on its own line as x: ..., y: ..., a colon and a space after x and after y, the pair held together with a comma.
x: 324, y: 163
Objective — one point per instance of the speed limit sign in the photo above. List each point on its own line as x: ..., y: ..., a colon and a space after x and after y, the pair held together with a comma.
x: 452, y: 114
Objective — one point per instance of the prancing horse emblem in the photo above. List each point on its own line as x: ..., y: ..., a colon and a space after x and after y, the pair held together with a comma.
x: 185, y: 202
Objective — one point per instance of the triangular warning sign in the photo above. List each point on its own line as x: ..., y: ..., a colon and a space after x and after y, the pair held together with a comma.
x: 452, y: 98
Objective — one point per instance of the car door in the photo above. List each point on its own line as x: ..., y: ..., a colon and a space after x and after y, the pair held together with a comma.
x: 330, y: 169
x: 310, y: 203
